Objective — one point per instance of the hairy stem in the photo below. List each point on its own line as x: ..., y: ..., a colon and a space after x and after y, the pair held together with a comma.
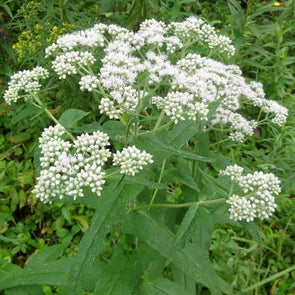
x: 200, y: 203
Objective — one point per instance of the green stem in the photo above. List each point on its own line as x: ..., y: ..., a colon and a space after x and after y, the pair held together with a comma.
x: 155, y: 130
x: 200, y: 203
x: 271, y: 278
x: 159, y: 120
x: 221, y: 141
x: 159, y: 181
x: 112, y: 174
x: 125, y: 124
x: 40, y: 103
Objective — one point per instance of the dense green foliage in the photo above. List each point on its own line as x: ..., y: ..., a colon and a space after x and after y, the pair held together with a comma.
x: 252, y: 259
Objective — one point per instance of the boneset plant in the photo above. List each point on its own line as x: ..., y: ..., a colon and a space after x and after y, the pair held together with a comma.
x: 144, y: 164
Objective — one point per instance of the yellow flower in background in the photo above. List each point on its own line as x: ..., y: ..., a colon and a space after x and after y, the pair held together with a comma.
x: 40, y: 37
x: 277, y: 4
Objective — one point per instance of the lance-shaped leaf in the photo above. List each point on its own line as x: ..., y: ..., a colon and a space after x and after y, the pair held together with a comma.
x: 193, y: 261
x: 111, y: 206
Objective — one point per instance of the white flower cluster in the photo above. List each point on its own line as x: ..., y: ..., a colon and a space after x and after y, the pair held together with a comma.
x: 210, y: 81
x: 69, y: 62
x: 131, y: 160
x: 93, y: 37
x: 24, y: 83
x: 138, y: 70
x: 194, y: 29
x: 179, y: 105
x: 259, y: 191
x: 120, y: 68
x: 234, y: 171
x: 67, y: 167
x: 88, y: 83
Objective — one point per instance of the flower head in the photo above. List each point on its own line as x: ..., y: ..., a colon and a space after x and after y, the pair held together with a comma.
x: 257, y: 199
x: 131, y: 160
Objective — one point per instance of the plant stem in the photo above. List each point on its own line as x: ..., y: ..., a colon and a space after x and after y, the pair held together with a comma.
x: 155, y: 130
x: 271, y: 278
x: 200, y: 203
x: 221, y: 141
x: 159, y: 181
x: 159, y: 120
x: 41, y: 104
x: 112, y: 174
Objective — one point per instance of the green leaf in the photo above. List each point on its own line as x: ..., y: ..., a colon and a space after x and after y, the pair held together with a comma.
x: 28, y: 111
x: 181, y: 279
x: 7, y: 9
x: 36, y: 161
x: 20, y: 137
x: 175, y: 10
x: 71, y: 117
x: 111, y: 205
x: 266, y: 8
x: 118, y: 277
x: 182, y: 233
x: 141, y: 179
x: 252, y: 229
x: 161, y: 286
x: 47, y: 255
x: 203, y: 150
x: 237, y: 12
x: 181, y: 174
x: 54, y: 273
x: 194, y: 262
x: 25, y: 290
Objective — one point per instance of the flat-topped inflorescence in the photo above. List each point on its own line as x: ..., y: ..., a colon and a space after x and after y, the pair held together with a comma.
x: 164, y: 65
x: 179, y: 71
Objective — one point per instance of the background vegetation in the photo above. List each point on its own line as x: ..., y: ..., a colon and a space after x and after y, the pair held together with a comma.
x: 263, y: 33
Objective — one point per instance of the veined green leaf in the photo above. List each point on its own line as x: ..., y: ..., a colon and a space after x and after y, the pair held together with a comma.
x: 161, y: 286
x: 194, y: 262
x: 141, y: 181
x: 111, y: 205
x: 47, y: 255
x: 184, y: 228
x: 118, y: 277
x: 54, y: 273
x: 71, y: 117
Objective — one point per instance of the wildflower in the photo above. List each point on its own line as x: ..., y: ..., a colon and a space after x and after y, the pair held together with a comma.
x: 67, y: 167
x: 257, y: 199
x: 276, y: 4
x: 88, y: 83
x: 24, y: 84
x: 131, y: 160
